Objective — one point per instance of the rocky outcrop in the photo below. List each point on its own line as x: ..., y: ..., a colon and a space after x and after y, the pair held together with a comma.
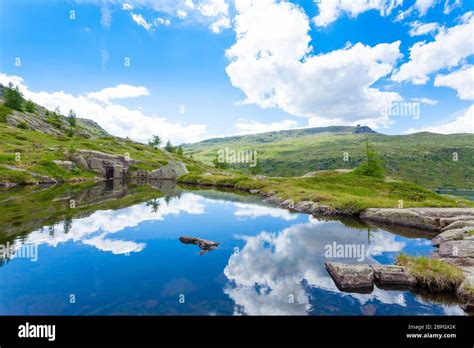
x: 363, y: 277
x: 435, y: 219
x: 172, y: 171
x: 455, y: 243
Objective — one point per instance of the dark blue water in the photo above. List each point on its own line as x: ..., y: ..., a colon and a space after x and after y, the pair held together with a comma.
x: 130, y: 261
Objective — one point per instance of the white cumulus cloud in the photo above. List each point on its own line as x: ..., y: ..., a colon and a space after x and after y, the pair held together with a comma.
x: 141, y: 21
x: 254, y: 127
x: 115, y: 118
x: 271, y: 62
x: 418, y: 28
x: 121, y: 91
x: 330, y: 11
x: 464, y: 123
x: 448, y: 50
x: 461, y: 80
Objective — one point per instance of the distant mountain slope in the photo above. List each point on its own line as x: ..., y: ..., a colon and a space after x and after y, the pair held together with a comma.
x: 424, y: 158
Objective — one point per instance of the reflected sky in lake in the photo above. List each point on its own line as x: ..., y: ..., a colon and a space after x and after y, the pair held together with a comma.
x: 270, y: 261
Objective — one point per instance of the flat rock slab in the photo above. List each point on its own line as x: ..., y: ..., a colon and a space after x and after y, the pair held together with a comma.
x: 354, y: 277
x: 424, y: 218
x: 351, y: 277
x: 403, y: 217
x: 393, y: 275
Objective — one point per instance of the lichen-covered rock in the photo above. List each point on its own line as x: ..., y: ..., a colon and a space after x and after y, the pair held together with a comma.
x: 393, y: 275
x: 456, y: 234
x: 351, y: 277
x: 172, y: 171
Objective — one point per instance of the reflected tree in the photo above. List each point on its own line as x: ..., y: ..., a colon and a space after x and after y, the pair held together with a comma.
x: 154, y: 204
x: 67, y: 224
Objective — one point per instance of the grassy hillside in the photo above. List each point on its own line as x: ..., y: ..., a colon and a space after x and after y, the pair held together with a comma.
x: 424, y: 158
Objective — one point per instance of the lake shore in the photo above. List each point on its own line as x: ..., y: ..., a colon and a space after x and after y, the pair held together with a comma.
x: 453, y: 229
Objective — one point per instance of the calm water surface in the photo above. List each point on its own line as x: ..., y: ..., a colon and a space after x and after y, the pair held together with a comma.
x: 116, y: 252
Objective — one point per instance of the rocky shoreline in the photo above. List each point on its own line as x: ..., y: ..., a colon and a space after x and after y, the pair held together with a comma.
x: 454, y: 242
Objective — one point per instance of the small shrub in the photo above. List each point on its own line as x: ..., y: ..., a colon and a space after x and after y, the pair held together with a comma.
x: 23, y: 125
x: 372, y: 166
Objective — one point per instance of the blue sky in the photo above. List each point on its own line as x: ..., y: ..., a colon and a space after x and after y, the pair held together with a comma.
x: 208, y: 68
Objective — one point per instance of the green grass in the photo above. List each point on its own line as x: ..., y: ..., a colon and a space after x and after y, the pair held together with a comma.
x: 423, y: 158
x: 347, y: 192
x: 433, y: 273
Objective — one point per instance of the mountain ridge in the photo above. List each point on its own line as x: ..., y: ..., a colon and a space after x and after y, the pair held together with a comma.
x: 429, y: 159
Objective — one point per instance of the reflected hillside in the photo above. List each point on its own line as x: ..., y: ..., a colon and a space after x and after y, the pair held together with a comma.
x: 26, y: 209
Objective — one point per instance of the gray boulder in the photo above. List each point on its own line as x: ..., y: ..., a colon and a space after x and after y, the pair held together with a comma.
x: 172, y: 171
x: 454, y: 234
